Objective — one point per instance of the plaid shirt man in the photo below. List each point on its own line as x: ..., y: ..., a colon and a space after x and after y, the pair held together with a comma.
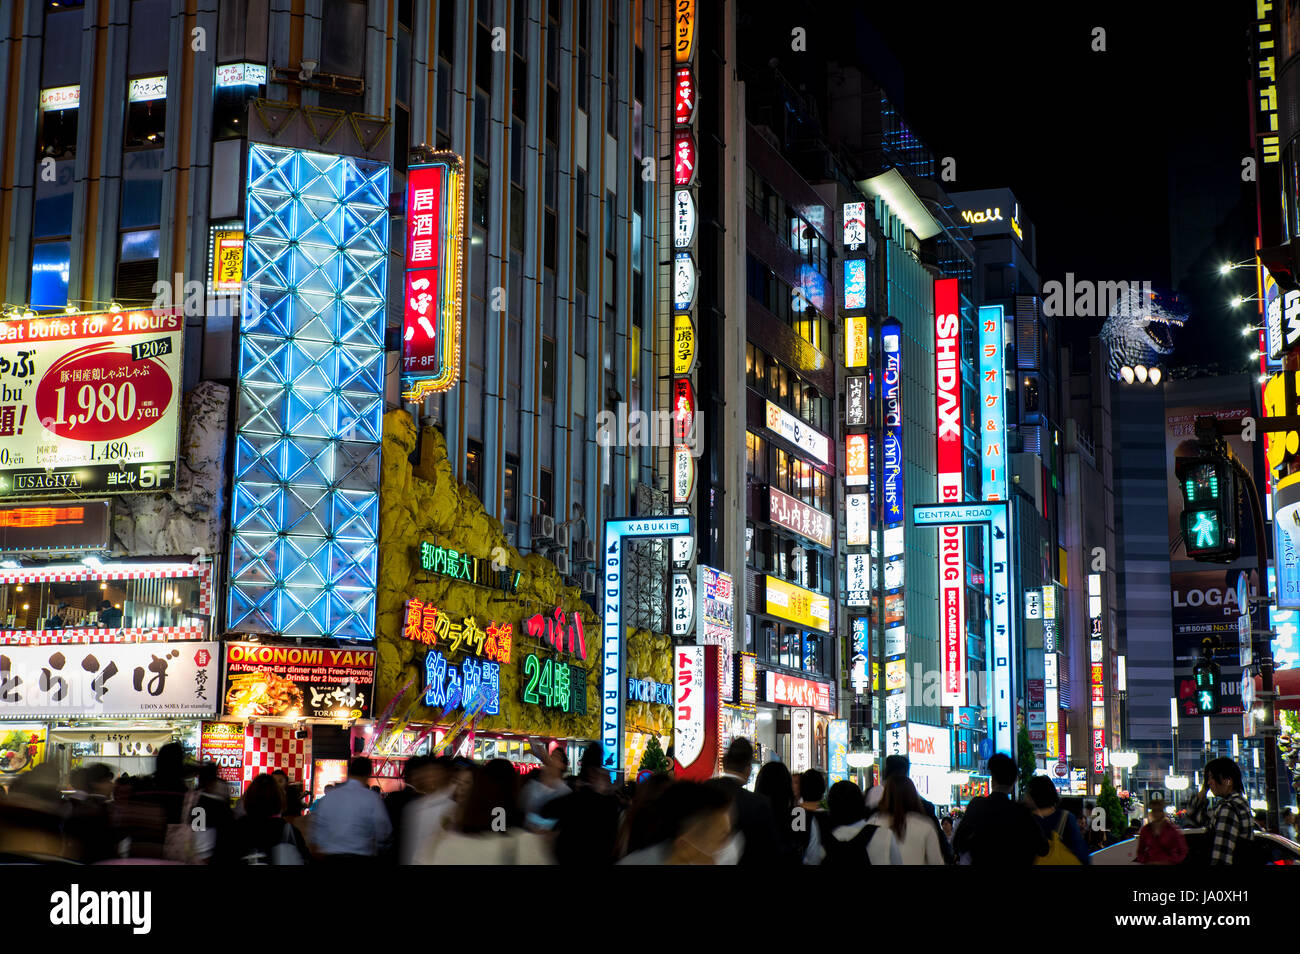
x: 1229, y: 821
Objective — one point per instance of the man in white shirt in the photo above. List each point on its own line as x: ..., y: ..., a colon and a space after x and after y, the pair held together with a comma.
x: 351, y: 823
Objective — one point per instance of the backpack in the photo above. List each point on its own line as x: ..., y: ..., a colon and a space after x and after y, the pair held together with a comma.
x: 851, y: 853
x: 1057, y: 852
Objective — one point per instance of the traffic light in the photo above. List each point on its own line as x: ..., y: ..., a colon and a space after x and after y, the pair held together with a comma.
x: 1209, y: 519
x: 1207, y: 687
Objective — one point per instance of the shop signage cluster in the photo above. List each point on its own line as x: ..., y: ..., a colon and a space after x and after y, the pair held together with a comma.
x: 891, y: 384
x: 952, y: 547
x: 993, y: 419
x: 1097, y: 656
x: 297, y: 682
x: 89, y: 404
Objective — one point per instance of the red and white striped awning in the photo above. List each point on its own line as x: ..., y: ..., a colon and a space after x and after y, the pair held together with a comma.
x: 58, y: 637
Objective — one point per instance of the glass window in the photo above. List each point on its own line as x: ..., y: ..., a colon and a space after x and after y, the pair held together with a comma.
x: 480, y: 199
x: 141, y: 188
x: 146, y: 123
x: 343, y: 37
x: 52, y: 212
x: 510, y: 485
x: 516, y: 218
x: 548, y: 369
x: 58, y: 133
x: 50, y: 266
x: 483, y: 58
x: 545, y: 487
x: 474, y: 465
x: 61, y: 53
x: 150, y: 27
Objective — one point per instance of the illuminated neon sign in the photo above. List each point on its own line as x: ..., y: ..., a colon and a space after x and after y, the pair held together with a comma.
x: 449, y: 686
x: 993, y: 429
x: 427, y: 624
x: 553, y: 684
x: 952, y: 550
x: 433, y: 280
x: 469, y: 569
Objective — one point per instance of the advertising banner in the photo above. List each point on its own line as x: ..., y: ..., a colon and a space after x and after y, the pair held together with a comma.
x: 837, y: 750
x: 297, y: 682
x: 794, y: 691
x: 433, y: 278
x: 798, y: 605
x: 1205, y: 604
x: 106, y: 680
x: 223, y: 743
x: 795, y: 515
x: 89, y: 404
x: 993, y: 421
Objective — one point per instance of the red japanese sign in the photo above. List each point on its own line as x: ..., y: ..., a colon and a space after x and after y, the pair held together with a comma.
x: 683, y: 410
x: 793, y: 691
x: 683, y: 158
x: 431, y: 284
x: 684, y: 96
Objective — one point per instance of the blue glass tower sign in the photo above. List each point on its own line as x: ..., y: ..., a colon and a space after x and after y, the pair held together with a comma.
x: 305, y: 513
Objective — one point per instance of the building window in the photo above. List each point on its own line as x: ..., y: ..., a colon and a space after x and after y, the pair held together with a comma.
x: 343, y: 37
x: 474, y: 465
x: 510, y: 485
x: 146, y: 123
x: 545, y: 490
x: 548, y: 369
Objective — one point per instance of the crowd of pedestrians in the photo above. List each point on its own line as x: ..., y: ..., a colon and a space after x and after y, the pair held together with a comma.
x: 452, y: 811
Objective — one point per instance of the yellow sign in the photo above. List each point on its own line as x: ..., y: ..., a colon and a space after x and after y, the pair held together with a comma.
x: 683, y: 344
x: 856, y: 354
x: 895, y: 674
x: 1280, y: 446
x: 798, y: 605
x: 1053, y: 740
x: 684, y: 30
x: 227, y: 260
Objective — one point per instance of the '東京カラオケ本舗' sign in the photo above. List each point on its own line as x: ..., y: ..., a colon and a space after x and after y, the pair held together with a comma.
x: 89, y: 404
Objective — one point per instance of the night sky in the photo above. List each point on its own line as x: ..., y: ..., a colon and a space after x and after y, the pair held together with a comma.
x: 1128, y: 161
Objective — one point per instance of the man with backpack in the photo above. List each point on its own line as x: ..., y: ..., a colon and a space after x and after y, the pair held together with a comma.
x: 997, y: 831
x: 1065, y: 843
x: 1229, y: 821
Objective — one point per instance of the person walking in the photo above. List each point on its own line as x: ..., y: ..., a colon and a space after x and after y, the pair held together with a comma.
x: 350, y: 824
x: 209, y: 811
x: 543, y: 786
x: 775, y: 784
x: 751, y: 815
x: 850, y: 835
x: 1160, y: 842
x: 1228, y: 821
x: 907, y: 836
x: 424, y: 820
x: 996, y: 831
x: 490, y: 825
x: 811, y: 832
x: 1053, y: 819
x: 586, y: 820
x: 263, y: 836
x: 695, y: 822
x: 902, y: 765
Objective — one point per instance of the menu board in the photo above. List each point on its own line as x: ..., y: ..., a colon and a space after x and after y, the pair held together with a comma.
x: 223, y: 743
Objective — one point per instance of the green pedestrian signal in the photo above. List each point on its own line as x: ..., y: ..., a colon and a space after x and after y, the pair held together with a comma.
x: 1209, y: 518
x: 1204, y: 530
x: 1206, y: 673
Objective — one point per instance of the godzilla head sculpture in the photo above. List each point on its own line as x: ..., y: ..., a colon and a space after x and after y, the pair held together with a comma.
x: 1140, y: 328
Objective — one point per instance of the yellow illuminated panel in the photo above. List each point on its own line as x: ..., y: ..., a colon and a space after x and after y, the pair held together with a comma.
x: 683, y: 344
x: 855, y: 341
x: 798, y: 605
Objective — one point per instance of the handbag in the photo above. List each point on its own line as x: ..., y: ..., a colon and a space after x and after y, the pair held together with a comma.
x: 286, y: 851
